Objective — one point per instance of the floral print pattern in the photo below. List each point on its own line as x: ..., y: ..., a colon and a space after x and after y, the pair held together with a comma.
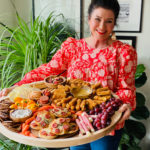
x: 113, y: 66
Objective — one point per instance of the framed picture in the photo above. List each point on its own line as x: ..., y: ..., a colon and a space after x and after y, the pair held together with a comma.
x: 130, y: 16
x: 131, y: 40
x: 71, y: 10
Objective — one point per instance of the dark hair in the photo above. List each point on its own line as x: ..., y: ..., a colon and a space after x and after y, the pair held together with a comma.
x: 107, y: 4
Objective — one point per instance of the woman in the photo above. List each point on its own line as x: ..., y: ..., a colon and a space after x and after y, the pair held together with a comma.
x: 97, y: 58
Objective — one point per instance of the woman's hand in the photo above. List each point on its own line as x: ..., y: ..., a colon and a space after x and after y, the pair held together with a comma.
x: 126, y: 110
x: 5, y: 91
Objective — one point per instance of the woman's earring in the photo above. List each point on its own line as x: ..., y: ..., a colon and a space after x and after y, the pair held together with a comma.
x: 113, y: 36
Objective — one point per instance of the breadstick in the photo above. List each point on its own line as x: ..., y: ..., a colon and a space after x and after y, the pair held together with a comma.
x: 72, y: 107
x: 72, y: 102
x: 91, y: 104
x: 78, y: 104
x: 102, y: 93
x: 64, y: 105
x: 66, y: 100
x: 98, y: 102
x: 83, y: 105
x: 102, y: 89
x: 95, y: 86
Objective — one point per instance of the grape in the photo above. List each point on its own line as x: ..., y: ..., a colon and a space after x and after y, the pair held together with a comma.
x: 97, y: 110
x: 104, y: 117
x: 99, y: 128
x: 104, y: 112
x: 111, y: 113
x: 108, y: 122
x: 100, y: 115
x: 107, y: 105
x: 103, y: 125
x: 92, y: 112
x: 112, y: 99
x: 97, y: 120
x: 109, y: 109
x: 98, y: 124
x: 112, y: 102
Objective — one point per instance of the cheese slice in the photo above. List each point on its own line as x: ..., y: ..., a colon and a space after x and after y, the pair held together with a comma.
x: 21, y: 91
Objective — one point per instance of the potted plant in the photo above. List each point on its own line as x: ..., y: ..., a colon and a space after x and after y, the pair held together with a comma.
x: 134, y: 129
x: 26, y: 48
x: 30, y: 46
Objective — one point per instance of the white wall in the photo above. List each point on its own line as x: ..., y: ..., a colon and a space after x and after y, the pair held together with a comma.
x: 143, y: 44
x: 44, y: 7
x: 143, y: 51
x: 7, y: 13
x: 24, y: 9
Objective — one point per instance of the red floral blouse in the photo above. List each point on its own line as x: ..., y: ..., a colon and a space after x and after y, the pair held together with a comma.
x: 113, y: 66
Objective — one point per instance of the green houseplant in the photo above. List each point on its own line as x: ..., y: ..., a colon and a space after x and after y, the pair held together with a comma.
x: 134, y: 129
x: 27, y: 47
x: 7, y: 144
x: 30, y: 46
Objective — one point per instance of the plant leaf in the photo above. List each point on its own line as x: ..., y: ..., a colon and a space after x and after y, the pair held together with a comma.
x: 140, y: 99
x: 139, y: 70
x: 141, y: 80
x: 135, y: 128
x: 141, y: 113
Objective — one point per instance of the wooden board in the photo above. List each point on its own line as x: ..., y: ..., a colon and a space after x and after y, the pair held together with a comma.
x: 66, y: 142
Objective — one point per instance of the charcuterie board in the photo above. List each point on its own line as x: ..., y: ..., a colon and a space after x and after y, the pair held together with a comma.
x: 59, y: 113
x: 61, y: 142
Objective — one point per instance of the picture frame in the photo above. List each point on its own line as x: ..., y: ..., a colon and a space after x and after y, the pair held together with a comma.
x: 73, y: 16
x: 130, y: 16
x: 131, y: 40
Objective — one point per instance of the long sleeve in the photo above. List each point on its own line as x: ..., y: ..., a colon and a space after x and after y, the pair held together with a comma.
x: 127, y: 62
x: 58, y: 64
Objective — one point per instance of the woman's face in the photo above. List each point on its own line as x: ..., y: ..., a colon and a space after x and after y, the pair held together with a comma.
x: 101, y: 23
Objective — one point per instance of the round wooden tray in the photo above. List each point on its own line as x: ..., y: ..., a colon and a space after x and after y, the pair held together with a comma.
x: 66, y: 142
